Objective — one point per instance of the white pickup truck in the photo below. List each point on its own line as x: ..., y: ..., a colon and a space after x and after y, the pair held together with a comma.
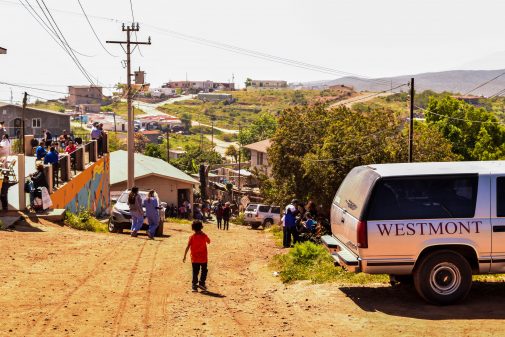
x: 439, y: 223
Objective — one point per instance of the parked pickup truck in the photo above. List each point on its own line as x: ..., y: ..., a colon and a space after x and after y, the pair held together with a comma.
x: 438, y: 223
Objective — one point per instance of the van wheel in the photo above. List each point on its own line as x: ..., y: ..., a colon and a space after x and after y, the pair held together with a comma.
x: 255, y: 225
x: 113, y: 228
x: 443, y: 277
x: 268, y: 223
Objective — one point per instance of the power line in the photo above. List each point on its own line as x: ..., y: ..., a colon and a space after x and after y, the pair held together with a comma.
x: 93, y: 29
x: 459, y: 119
x: 483, y: 84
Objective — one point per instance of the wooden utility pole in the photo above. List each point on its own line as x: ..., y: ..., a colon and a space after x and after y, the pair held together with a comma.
x: 131, y: 130
x: 168, y: 144
x: 411, y: 121
x: 25, y: 100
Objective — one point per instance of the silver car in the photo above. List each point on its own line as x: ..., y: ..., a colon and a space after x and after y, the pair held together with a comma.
x: 121, y: 219
x: 262, y: 215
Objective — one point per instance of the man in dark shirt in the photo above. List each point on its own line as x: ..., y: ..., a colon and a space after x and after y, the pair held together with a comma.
x: 4, y: 192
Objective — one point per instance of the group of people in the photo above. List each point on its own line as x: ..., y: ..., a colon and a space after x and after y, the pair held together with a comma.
x: 223, y: 215
x: 98, y: 134
x: 152, y: 206
x: 297, y: 219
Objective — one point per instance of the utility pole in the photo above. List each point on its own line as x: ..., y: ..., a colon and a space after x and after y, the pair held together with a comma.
x: 25, y: 100
x: 131, y: 130
x: 239, y: 156
x: 114, y: 116
x: 212, y: 130
x: 411, y: 121
x: 168, y: 144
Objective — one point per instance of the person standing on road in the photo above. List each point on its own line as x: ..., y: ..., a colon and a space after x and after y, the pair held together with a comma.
x: 198, y: 245
x: 290, y: 224
x: 152, y: 212
x: 219, y: 215
x: 136, y: 211
x: 226, y: 216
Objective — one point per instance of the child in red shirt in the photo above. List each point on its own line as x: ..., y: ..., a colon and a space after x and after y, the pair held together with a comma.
x: 198, y: 244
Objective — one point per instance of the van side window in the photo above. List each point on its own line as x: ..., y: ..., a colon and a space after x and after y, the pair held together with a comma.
x: 264, y: 209
x: 428, y: 197
x: 276, y: 210
x: 500, y: 196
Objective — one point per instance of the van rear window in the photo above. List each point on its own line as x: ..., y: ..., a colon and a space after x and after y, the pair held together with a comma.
x: 428, y: 197
x: 355, y: 189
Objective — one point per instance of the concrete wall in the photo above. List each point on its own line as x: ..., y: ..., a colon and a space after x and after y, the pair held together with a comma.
x: 165, y: 187
x: 90, y: 189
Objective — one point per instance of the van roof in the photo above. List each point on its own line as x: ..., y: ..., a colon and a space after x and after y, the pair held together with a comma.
x: 431, y: 168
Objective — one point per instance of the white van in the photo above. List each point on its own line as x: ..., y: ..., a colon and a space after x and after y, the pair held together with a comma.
x: 439, y: 222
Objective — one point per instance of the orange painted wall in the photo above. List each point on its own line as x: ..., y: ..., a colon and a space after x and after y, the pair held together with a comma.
x: 89, y: 190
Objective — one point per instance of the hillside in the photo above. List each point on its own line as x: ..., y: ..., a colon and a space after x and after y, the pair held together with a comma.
x: 457, y: 81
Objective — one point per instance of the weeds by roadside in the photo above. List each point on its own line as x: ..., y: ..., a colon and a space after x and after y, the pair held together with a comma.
x: 178, y: 220
x: 308, y: 261
x: 84, y: 221
x: 276, y: 231
x: 238, y: 220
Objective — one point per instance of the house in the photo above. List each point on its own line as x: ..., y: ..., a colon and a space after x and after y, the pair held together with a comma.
x: 36, y: 120
x: 224, y: 86
x: 3, y: 50
x: 198, y: 86
x: 259, y: 156
x: 176, y: 154
x: 470, y: 99
x: 267, y: 84
x: 152, y: 135
x: 172, y: 185
x: 206, y: 97
x: 84, y: 94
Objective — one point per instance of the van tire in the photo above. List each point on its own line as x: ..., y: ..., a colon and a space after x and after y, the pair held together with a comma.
x: 443, y: 277
x: 113, y: 228
x: 267, y: 223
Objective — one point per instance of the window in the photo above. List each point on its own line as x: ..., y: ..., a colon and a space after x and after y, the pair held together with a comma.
x: 264, y: 209
x: 251, y: 207
x: 36, y: 122
x: 259, y: 158
x: 428, y: 197
x: 276, y: 210
x: 500, y: 196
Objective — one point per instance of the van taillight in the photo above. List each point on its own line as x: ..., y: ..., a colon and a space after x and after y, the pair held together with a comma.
x: 362, y: 234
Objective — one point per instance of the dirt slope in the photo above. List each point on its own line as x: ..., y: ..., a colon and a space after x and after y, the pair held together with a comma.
x: 59, y: 282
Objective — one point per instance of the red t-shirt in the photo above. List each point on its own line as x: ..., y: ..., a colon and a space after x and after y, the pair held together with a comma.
x: 198, y: 244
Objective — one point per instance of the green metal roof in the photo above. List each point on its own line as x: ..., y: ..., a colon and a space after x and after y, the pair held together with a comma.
x: 144, y: 166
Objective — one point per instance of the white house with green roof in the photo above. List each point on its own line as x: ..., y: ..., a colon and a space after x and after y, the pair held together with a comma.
x: 172, y: 185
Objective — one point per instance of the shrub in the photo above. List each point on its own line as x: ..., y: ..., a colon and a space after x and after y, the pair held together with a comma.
x: 308, y: 261
x: 239, y: 220
x: 84, y: 221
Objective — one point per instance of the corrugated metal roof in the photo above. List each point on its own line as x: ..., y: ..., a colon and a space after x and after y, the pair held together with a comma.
x: 261, y: 146
x: 144, y: 166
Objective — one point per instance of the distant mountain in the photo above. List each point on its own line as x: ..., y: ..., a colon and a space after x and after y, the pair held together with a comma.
x: 456, y: 81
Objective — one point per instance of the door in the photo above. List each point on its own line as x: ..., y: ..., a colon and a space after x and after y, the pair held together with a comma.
x: 498, y: 223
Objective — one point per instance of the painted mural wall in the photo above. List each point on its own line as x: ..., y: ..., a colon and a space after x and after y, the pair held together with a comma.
x: 89, y: 190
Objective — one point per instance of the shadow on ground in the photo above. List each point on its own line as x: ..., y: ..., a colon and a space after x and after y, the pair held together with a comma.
x: 23, y: 226
x: 485, y: 301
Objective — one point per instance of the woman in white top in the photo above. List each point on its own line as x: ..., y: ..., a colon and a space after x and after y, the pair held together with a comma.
x: 5, y: 149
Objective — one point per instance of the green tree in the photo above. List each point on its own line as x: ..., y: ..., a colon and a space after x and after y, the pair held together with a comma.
x: 186, y: 121
x: 248, y: 82
x: 115, y: 143
x: 260, y: 129
x: 232, y: 151
x: 153, y: 150
x: 194, y: 156
x: 140, y: 141
x: 475, y: 134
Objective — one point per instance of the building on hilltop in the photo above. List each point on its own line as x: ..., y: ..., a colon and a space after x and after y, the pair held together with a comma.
x: 84, y: 94
x: 36, y: 120
x: 172, y: 185
x: 259, y: 156
x: 207, y: 97
x: 199, y: 86
x: 267, y: 84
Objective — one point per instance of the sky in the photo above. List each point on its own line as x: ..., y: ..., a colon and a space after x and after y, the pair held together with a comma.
x: 365, y: 37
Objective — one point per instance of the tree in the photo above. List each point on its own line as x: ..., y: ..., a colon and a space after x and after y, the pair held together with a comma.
x: 232, y: 151
x: 260, y: 129
x: 475, y: 134
x: 153, y: 150
x: 248, y: 82
x: 194, y: 156
x: 186, y: 121
x: 115, y: 143
x: 140, y: 141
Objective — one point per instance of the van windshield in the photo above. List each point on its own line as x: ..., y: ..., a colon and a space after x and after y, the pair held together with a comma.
x: 355, y: 189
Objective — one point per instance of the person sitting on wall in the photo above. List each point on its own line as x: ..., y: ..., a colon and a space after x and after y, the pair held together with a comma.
x: 52, y: 159
x: 38, y: 180
x: 40, y: 151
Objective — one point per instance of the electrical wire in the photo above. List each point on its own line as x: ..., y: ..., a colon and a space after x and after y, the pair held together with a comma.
x: 133, y: 22
x: 459, y: 119
x: 93, y: 30
x: 483, y: 84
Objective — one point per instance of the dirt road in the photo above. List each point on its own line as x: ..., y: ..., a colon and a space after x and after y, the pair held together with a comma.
x: 59, y: 282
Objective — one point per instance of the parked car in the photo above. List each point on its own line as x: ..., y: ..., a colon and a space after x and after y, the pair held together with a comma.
x: 120, y: 218
x: 436, y: 223
x: 262, y: 215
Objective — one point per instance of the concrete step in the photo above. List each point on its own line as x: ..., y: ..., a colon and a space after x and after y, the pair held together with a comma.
x: 8, y: 221
x: 57, y: 214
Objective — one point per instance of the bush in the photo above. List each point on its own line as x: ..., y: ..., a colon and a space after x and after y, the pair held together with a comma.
x: 308, y: 261
x: 239, y: 220
x: 84, y: 221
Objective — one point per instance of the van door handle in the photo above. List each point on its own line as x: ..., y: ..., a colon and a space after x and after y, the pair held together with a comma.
x: 498, y: 229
